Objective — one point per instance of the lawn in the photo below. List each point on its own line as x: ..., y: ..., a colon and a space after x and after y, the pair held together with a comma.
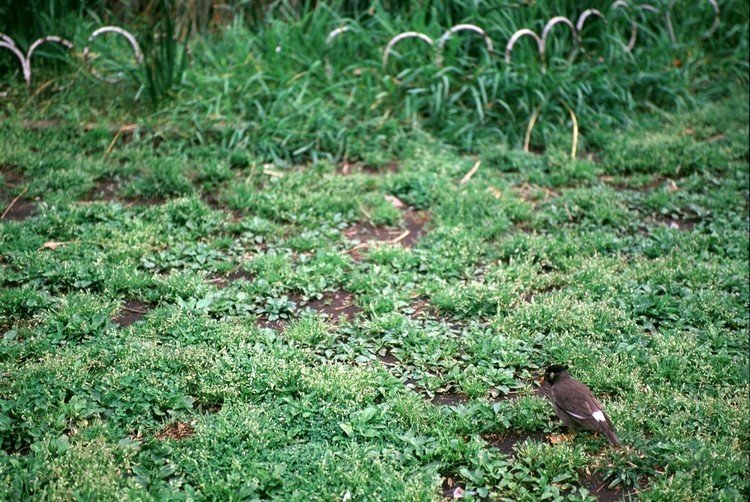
x: 189, y: 324
x: 350, y: 291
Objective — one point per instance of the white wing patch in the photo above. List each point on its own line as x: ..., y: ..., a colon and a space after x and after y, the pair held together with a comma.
x: 599, y: 416
x: 574, y: 415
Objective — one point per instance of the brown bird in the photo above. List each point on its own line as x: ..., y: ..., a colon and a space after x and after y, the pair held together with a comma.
x: 575, y: 405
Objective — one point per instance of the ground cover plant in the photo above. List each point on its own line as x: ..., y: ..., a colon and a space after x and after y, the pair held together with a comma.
x: 269, y: 83
x: 225, y: 330
x: 264, y: 282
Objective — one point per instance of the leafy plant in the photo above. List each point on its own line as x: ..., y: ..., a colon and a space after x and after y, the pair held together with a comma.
x: 165, y: 54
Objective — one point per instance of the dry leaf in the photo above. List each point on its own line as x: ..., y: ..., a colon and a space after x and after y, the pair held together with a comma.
x: 53, y: 245
x: 558, y: 438
x: 495, y: 192
x: 395, y: 201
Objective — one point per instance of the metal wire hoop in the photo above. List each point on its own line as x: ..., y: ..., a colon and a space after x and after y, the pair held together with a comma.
x: 548, y: 28
x: 516, y: 36
x: 398, y: 38
x: 112, y: 29
x: 402, y: 36
x: 329, y: 40
x: 50, y: 38
x: 584, y: 16
x: 714, y: 26
x: 462, y: 27
x: 5, y: 38
x: 535, y: 117
x: 621, y: 4
x: 7, y: 43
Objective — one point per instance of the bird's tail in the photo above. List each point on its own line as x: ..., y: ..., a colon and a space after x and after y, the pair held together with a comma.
x: 610, y: 433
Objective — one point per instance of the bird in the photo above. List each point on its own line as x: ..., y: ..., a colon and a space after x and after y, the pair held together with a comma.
x: 575, y: 405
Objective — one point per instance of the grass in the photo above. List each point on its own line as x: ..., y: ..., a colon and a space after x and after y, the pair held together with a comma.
x: 280, y: 281
x: 629, y: 263
x: 263, y: 84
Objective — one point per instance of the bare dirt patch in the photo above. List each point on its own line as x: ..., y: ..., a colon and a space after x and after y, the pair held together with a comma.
x: 175, y: 430
x: 367, y: 232
x: 391, y: 167
x: 18, y: 209
x: 336, y: 305
x: 239, y: 274
x: 507, y: 442
x: 145, y: 201
x: 451, y: 487
x: 367, y: 235
x: 208, y: 407
x: 105, y: 189
x: 388, y: 359
x: 686, y: 225
x: 348, y: 168
x: 627, y: 185
x: 415, y: 222
x: 508, y: 396
x: 449, y: 399
x: 422, y: 307
x: 15, y: 208
x: 597, y: 486
x: 537, y: 150
x: 217, y: 205
x: 523, y: 227
x: 276, y: 324
x: 533, y: 193
x: 222, y: 281
x: 211, y: 201
x: 41, y: 125
x: 131, y: 312
x: 410, y: 383
x: 11, y: 176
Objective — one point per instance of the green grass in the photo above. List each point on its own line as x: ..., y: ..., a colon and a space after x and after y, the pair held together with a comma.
x: 235, y: 214
x: 630, y: 264
x: 263, y: 85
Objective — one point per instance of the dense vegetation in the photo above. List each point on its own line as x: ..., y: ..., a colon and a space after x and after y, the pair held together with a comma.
x: 261, y: 82
x: 265, y: 279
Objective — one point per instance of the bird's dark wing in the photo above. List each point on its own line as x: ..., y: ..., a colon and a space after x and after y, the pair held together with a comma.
x: 577, y: 401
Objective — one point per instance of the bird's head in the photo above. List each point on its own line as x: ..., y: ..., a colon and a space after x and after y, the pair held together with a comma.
x: 554, y: 373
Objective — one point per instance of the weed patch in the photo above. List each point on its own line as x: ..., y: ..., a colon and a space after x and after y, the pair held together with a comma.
x: 305, y: 332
